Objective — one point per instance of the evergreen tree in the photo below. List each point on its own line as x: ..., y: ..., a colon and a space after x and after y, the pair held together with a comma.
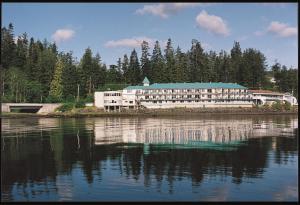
x: 56, y: 88
x: 69, y: 76
x: 170, y: 70
x: 8, y: 46
x: 254, y: 67
x: 198, y: 72
x: 181, y: 66
x: 236, y: 63
x: 21, y: 51
x: 145, y: 62
x: 125, y: 69
x: 100, y: 72
x: 157, y: 64
x: 86, y: 73
x: 134, y: 68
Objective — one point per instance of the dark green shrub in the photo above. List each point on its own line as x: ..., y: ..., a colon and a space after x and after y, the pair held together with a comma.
x: 276, y: 105
x: 89, y: 98
x: 266, y: 106
x: 287, y: 105
x: 80, y: 104
x: 65, y: 107
x: 52, y: 99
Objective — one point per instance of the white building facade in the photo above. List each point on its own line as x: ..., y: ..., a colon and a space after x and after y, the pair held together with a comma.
x: 262, y: 97
x: 173, y: 95
x: 187, y: 95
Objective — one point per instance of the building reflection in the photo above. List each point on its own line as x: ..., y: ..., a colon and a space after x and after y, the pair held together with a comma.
x: 175, y: 131
x: 140, y: 149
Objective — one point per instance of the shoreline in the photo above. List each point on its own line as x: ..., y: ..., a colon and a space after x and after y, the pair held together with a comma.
x: 155, y: 113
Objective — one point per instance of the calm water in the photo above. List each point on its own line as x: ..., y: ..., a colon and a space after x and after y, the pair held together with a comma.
x: 150, y: 159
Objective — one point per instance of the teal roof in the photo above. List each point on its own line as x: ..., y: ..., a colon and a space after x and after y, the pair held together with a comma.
x: 187, y: 86
x: 194, y: 86
x: 134, y: 87
x: 146, y: 80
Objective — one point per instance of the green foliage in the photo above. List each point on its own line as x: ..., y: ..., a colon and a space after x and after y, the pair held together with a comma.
x: 287, y: 106
x: 66, y: 107
x: 34, y: 71
x: 80, y: 104
x: 56, y: 88
x: 277, y: 106
x: 52, y: 99
x: 266, y: 106
x: 89, y: 98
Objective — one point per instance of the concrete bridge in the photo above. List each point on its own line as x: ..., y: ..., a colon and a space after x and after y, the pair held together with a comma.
x: 33, y: 107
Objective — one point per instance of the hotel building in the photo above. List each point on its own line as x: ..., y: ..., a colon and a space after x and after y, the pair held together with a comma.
x: 174, y: 95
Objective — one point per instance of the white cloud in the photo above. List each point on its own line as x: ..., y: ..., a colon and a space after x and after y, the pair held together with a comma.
x: 63, y: 35
x: 212, y: 23
x: 282, y: 29
x: 163, y: 10
x: 129, y: 42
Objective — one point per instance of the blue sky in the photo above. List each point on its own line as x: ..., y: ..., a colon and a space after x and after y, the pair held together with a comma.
x: 113, y: 29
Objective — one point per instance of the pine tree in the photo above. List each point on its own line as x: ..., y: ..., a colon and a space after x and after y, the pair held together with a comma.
x: 100, y: 72
x: 236, y: 62
x: 134, y: 68
x: 198, y: 72
x: 86, y: 72
x: 21, y: 51
x: 157, y: 64
x: 125, y: 67
x: 170, y: 62
x: 181, y: 66
x: 8, y: 47
x: 145, y: 62
x: 69, y: 76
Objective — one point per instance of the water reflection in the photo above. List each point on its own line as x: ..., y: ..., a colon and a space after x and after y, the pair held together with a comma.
x: 149, y: 158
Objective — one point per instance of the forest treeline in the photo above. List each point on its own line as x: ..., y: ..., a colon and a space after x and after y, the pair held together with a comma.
x: 34, y: 70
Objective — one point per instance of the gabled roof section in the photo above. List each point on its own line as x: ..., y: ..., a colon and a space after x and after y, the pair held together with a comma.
x: 146, y: 81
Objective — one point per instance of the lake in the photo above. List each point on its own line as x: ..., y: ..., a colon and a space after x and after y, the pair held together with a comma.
x: 220, y: 158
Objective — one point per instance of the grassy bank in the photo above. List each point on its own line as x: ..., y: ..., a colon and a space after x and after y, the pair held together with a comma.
x: 94, y: 112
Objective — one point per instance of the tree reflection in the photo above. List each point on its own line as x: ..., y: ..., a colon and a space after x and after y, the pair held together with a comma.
x: 28, y: 160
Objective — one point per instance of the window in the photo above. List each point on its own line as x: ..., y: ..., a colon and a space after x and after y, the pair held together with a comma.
x: 159, y: 101
x: 173, y: 101
x: 209, y: 90
x: 196, y: 96
x: 181, y: 101
x: 189, y: 96
x: 154, y: 101
x: 130, y: 102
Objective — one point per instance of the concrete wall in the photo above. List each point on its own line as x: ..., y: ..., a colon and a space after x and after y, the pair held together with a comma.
x: 46, y: 107
x: 99, y: 99
x: 49, y: 107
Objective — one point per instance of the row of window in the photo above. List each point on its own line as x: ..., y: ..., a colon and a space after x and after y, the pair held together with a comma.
x: 191, y: 101
x: 112, y: 94
x: 196, y: 97
x: 192, y: 90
